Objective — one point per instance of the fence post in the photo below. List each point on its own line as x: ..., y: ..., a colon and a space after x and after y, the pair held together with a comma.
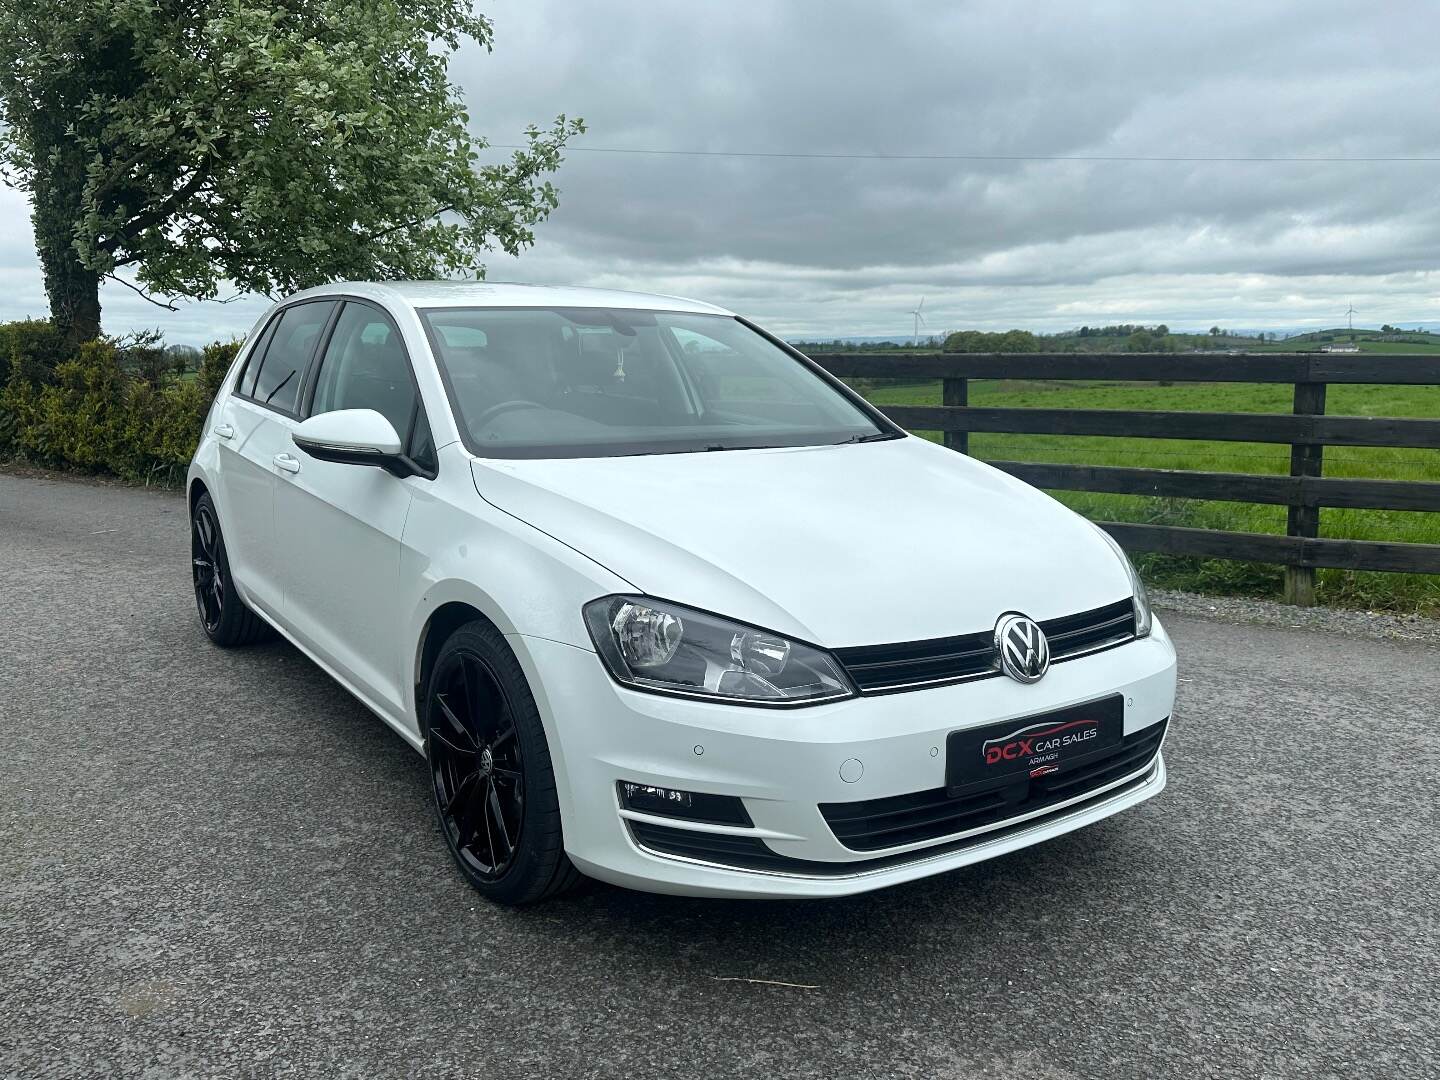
x: 1306, y: 459
x: 956, y: 392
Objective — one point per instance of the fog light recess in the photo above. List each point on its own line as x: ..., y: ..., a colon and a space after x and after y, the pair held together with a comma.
x: 689, y: 805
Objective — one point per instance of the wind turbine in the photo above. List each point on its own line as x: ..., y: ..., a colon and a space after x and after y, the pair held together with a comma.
x: 1351, y: 316
x: 919, y: 318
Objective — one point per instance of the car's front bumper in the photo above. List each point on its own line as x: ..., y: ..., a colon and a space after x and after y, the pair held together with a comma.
x: 785, y: 763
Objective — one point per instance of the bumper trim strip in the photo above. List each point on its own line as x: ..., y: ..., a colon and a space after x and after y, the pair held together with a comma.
x: 750, y: 855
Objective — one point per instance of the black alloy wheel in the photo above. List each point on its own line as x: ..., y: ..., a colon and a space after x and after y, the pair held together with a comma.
x: 477, y: 765
x: 209, y: 574
x: 490, y: 771
x: 226, y: 619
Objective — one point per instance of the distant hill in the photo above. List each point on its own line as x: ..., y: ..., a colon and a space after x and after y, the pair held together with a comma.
x: 1134, y: 337
x: 820, y: 342
x: 1393, y: 340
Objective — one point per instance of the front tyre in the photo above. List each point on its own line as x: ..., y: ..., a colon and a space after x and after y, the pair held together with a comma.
x: 224, y: 615
x: 491, y: 774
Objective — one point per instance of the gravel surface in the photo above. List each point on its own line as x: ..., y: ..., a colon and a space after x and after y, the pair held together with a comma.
x: 218, y: 864
x: 1376, y: 625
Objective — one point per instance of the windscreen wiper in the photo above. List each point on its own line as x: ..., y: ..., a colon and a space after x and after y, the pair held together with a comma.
x: 874, y: 436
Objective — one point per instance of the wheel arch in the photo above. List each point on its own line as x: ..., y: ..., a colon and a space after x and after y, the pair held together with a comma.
x: 442, y: 622
x: 446, y: 605
x: 197, y: 488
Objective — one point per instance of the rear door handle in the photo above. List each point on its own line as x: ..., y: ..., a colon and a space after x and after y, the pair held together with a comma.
x: 225, y: 431
x: 287, y: 463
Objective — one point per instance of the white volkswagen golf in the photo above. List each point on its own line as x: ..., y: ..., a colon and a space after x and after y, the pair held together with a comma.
x: 662, y: 602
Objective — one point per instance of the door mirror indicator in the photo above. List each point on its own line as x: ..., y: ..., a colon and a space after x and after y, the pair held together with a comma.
x: 353, y: 437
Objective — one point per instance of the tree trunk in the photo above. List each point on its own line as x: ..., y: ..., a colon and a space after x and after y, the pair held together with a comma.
x: 73, y: 288
x: 74, y: 293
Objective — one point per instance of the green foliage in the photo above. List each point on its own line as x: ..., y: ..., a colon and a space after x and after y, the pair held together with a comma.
x: 29, y: 342
x: 1150, y: 341
x: 978, y: 341
x: 110, y: 406
x: 215, y: 361
x: 272, y: 145
x: 1140, y: 341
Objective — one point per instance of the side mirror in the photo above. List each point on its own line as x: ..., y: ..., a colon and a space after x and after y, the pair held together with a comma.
x: 353, y: 437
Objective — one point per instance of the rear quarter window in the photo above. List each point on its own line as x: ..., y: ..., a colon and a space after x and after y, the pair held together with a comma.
x: 287, y: 354
x: 245, y: 384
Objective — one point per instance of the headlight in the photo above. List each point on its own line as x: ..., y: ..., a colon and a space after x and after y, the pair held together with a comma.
x: 666, y: 648
x: 1137, y: 587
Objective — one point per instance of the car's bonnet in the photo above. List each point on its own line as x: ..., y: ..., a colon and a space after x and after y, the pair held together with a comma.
x: 839, y: 545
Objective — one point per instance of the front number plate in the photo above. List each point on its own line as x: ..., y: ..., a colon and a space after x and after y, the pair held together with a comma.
x: 1053, y: 742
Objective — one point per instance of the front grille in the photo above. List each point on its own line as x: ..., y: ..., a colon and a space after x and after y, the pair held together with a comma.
x: 913, y: 664
x: 744, y: 852
x: 1090, y: 631
x: 928, y: 815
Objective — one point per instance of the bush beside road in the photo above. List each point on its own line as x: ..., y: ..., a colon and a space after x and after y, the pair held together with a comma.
x: 126, y: 408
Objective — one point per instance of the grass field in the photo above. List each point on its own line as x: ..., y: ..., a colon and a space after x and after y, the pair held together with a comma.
x: 1364, y: 346
x: 1405, y: 592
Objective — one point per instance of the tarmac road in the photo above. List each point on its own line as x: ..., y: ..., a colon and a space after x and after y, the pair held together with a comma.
x: 218, y: 864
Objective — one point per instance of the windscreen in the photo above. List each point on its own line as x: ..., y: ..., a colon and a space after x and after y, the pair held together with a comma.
x: 591, y: 382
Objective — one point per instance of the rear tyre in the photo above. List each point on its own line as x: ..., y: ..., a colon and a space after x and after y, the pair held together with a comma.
x: 490, y: 769
x: 226, y: 619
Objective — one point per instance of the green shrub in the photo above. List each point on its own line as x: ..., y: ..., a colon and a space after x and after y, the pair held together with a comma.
x: 80, y: 416
x: 215, y: 361
x: 32, y: 343
x: 19, y: 404
x: 120, y: 407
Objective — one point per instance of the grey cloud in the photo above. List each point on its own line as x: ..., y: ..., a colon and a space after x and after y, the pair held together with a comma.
x: 830, y: 246
x: 1239, y: 79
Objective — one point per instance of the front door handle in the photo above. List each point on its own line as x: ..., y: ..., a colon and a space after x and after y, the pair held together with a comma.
x: 287, y: 463
x: 225, y: 431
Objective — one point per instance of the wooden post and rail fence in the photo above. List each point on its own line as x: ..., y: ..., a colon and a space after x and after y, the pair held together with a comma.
x: 1308, y: 429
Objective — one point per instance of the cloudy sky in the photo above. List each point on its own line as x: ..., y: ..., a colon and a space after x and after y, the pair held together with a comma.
x: 1059, y: 213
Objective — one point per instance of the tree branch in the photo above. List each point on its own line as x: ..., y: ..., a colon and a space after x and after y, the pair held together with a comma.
x: 140, y: 292
x: 156, y: 214
x: 120, y: 175
x: 403, y: 225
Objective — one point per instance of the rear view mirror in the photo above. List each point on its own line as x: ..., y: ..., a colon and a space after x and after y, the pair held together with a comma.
x: 353, y: 437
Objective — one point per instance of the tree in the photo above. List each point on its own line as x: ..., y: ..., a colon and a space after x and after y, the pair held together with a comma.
x: 1016, y: 341
x: 1140, y: 341
x: 1214, y: 331
x: 270, y: 145
x: 978, y: 341
x: 967, y: 341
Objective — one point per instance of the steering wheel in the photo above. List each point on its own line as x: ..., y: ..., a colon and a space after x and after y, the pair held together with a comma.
x: 504, y: 407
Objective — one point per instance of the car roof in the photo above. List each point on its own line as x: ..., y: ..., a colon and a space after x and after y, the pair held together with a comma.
x: 435, y: 294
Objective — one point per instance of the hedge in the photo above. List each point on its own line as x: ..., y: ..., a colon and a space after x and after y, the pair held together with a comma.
x: 127, y: 407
